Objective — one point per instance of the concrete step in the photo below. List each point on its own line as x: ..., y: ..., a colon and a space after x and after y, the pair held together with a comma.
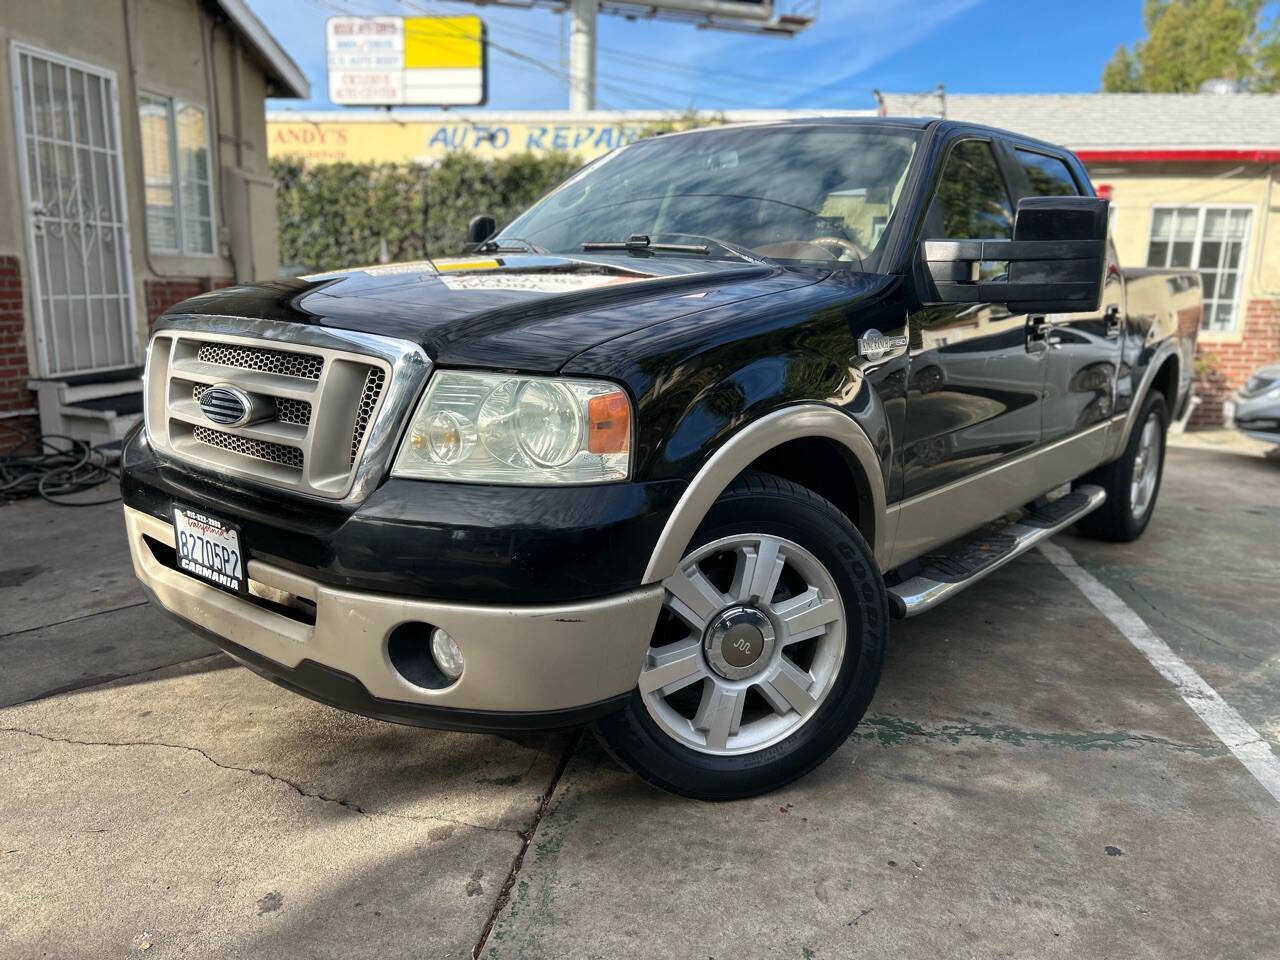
x: 96, y: 409
x: 73, y: 393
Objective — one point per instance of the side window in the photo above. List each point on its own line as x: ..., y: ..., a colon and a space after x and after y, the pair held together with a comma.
x: 972, y: 202
x: 1049, y: 176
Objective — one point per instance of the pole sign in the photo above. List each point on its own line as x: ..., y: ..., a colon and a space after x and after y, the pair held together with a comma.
x: 407, y: 61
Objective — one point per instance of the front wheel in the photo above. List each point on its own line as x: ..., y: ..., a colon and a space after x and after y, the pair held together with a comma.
x: 767, y: 651
x: 1132, y: 482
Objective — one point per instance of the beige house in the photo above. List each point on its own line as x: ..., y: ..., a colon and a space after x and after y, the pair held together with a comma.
x: 133, y: 174
x: 1192, y: 180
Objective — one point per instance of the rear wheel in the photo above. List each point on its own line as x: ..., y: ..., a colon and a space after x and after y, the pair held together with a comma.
x: 1132, y: 482
x: 767, y: 651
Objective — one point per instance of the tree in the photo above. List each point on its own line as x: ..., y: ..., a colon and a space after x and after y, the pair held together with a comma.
x: 687, y: 120
x: 1191, y: 41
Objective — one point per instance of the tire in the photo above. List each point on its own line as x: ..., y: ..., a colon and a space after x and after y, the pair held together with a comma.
x: 1123, y: 518
x: 796, y: 668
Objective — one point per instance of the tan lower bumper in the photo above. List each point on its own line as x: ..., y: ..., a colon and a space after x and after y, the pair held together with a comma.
x: 517, y: 658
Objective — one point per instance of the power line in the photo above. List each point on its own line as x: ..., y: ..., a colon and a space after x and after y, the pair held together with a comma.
x: 648, y: 60
x: 771, y: 83
x: 621, y: 85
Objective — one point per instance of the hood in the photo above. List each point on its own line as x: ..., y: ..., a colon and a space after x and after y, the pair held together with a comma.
x: 522, y: 312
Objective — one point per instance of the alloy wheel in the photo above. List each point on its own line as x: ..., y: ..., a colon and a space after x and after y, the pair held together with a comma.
x: 1146, y: 468
x: 749, y: 645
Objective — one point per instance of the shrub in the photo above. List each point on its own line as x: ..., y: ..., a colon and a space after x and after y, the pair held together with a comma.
x: 341, y: 214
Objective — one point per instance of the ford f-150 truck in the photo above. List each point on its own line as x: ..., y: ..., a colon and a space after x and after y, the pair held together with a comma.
x: 667, y: 453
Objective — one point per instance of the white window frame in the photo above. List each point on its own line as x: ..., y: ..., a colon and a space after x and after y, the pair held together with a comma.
x: 172, y: 106
x: 1242, y: 271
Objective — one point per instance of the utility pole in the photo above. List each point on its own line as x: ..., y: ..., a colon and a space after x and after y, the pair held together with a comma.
x: 776, y: 18
x: 582, y: 56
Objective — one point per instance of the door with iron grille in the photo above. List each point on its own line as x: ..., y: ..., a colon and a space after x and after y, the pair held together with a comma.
x: 68, y: 136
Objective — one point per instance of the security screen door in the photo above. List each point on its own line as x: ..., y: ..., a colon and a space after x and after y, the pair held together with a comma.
x: 68, y: 137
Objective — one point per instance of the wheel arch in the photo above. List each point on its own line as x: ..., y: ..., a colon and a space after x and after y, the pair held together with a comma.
x: 1166, y: 381
x: 1161, y: 369
x: 769, y: 444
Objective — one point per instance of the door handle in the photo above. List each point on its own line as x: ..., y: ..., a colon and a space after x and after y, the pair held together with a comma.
x: 1113, y: 321
x: 1038, y: 328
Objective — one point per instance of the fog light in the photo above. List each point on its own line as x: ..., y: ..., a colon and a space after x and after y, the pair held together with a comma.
x: 445, y: 651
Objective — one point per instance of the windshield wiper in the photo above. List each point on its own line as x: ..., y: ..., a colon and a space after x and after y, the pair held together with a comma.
x: 499, y: 246
x: 640, y: 243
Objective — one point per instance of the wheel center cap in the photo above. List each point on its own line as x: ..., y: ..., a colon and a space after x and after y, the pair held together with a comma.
x: 738, y: 642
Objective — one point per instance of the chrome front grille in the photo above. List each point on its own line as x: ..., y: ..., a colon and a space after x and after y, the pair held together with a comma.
x: 285, y: 362
x: 287, y: 409
x: 249, y: 447
x: 324, y: 412
x: 293, y: 411
x: 373, y: 383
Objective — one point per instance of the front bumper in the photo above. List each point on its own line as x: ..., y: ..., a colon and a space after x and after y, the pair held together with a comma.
x: 527, y: 667
x: 456, y: 542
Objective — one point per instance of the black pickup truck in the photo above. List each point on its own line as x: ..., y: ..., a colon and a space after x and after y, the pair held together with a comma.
x: 669, y: 451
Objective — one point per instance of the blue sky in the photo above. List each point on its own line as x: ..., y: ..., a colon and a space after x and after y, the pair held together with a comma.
x: 972, y: 46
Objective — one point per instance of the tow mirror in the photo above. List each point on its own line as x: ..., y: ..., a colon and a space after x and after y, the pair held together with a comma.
x: 480, y: 229
x: 1055, y: 259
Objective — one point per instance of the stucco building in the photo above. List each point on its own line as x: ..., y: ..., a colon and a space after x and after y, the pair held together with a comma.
x: 134, y: 174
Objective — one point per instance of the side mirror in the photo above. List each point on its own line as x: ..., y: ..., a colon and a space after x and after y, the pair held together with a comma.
x: 1056, y: 259
x: 480, y: 229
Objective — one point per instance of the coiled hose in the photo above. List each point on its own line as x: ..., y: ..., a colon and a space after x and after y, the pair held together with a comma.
x: 56, y: 467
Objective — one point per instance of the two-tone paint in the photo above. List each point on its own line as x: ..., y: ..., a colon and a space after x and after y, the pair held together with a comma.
x: 729, y: 365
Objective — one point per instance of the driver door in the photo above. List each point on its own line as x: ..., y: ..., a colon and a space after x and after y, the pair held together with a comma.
x: 974, y: 388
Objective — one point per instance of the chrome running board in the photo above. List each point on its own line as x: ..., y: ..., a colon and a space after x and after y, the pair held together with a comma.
x: 946, y: 574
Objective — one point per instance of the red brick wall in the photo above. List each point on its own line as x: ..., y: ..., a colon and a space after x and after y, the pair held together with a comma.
x: 1233, y: 362
x: 163, y: 294
x: 14, y: 373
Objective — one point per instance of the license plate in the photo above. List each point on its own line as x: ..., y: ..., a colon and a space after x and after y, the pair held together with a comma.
x: 208, y: 548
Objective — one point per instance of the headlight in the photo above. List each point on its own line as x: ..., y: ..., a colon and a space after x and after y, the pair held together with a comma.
x: 498, y: 428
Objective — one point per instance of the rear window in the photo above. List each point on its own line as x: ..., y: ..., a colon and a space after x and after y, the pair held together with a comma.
x: 1049, y: 176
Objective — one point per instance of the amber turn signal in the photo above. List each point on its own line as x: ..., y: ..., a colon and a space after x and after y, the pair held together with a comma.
x: 608, y: 423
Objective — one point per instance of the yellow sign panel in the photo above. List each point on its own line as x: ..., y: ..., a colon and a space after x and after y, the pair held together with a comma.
x: 443, y: 42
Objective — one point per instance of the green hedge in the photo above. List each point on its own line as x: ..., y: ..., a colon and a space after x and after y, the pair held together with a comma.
x: 338, y: 215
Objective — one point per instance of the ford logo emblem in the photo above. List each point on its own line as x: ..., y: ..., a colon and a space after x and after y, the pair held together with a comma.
x: 226, y: 405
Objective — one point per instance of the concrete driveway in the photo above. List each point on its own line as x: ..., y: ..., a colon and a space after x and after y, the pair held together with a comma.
x: 1026, y: 784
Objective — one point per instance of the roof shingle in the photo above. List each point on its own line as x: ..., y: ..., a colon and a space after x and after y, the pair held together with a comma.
x: 1094, y: 121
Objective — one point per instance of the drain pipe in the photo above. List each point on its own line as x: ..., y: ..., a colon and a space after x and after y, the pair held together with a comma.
x: 1262, y: 237
x: 215, y: 110
x: 132, y: 63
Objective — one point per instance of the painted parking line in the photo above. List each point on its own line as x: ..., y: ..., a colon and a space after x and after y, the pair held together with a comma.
x: 1224, y: 720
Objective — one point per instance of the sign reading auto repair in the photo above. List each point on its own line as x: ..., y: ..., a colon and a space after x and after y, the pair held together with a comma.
x: 401, y: 61
x: 368, y: 137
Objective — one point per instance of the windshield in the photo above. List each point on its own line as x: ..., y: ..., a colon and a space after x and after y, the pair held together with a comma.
x: 821, y: 193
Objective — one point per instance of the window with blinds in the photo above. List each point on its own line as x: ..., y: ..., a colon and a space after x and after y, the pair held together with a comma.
x: 177, y: 169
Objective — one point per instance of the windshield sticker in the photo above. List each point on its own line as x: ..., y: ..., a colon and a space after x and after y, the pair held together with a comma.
x: 375, y: 270
x: 536, y: 282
